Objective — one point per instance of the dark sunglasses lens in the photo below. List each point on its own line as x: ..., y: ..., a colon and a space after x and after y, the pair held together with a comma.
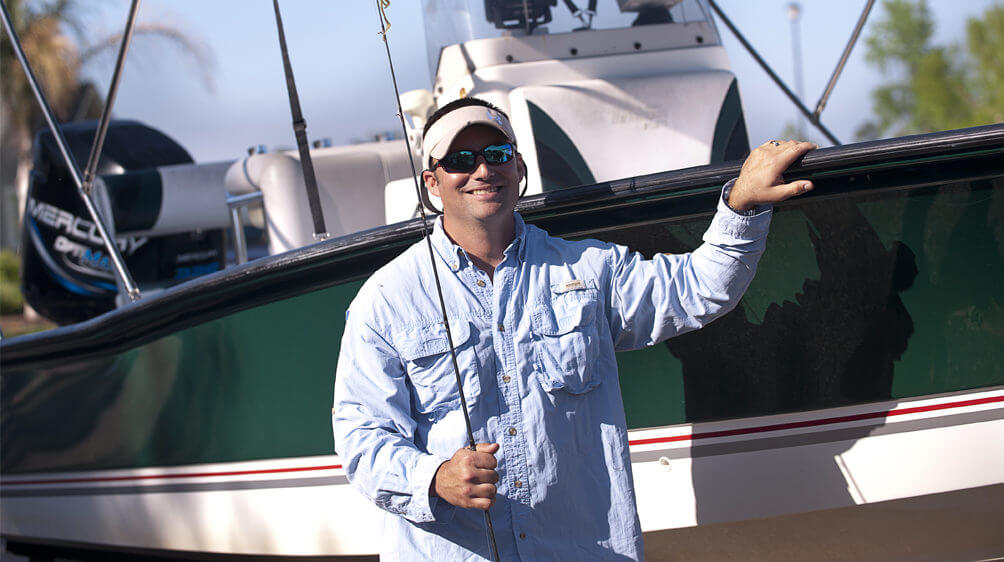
x: 460, y: 161
x: 498, y: 153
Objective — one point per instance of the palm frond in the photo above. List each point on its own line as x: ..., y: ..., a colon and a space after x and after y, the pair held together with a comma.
x: 199, y: 54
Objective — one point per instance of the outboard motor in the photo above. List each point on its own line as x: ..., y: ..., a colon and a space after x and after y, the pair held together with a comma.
x: 67, y: 275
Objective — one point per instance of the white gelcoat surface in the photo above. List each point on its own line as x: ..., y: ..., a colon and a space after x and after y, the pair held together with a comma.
x: 734, y: 486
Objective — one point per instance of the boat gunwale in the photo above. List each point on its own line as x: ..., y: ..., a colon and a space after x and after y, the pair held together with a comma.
x: 308, y: 269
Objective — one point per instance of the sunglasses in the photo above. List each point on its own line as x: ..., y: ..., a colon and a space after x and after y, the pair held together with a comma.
x: 464, y: 161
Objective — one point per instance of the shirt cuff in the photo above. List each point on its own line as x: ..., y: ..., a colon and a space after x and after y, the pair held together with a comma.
x: 752, y: 212
x: 732, y: 227
x: 425, y: 507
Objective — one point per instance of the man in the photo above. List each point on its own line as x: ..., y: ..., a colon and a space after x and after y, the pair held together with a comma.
x: 535, y: 321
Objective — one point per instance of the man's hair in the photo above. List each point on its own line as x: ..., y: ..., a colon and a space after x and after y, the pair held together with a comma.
x: 457, y: 104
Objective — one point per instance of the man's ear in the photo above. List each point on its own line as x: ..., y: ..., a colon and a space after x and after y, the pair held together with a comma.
x: 521, y: 165
x: 429, y: 177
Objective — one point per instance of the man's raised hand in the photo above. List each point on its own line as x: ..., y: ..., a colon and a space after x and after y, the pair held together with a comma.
x: 760, y: 181
x: 468, y: 479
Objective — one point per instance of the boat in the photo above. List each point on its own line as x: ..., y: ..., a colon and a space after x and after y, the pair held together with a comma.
x: 185, y: 412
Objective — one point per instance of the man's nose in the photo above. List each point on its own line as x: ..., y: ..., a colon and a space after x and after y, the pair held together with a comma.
x: 481, y: 168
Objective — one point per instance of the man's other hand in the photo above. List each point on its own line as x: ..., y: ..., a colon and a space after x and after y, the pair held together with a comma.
x: 760, y: 181
x: 468, y: 479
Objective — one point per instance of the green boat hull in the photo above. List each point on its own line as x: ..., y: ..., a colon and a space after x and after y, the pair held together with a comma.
x: 883, y: 284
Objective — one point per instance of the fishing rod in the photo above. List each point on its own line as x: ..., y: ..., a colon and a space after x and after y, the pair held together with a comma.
x: 384, y: 26
x: 300, y: 131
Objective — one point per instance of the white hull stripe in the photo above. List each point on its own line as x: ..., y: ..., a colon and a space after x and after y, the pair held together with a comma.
x: 178, y: 488
x: 693, y: 451
x: 679, y: 446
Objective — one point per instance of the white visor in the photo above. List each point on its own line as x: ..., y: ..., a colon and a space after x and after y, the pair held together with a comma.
x: 437, y: 141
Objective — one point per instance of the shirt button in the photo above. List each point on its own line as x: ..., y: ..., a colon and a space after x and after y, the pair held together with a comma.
x: 501, y: 328
x: 512, y: 431
x: 506, y: 378
x: 518, y: 483
x: 522, y: 535
x: 481, y: 283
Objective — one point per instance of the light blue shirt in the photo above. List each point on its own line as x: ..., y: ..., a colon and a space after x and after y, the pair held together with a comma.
x: 535, y: 348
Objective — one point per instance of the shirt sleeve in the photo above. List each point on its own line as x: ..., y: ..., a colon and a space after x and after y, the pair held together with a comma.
x: 373, y: 428
x: 652, y: 300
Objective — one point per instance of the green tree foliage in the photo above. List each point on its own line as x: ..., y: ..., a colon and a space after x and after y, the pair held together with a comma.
x: 985, y: 40
x: 56, y: 62
x: 10, y: 294
x: 935, y: 88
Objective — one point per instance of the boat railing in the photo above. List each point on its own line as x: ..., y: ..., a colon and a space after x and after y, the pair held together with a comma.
x: 238, y: 205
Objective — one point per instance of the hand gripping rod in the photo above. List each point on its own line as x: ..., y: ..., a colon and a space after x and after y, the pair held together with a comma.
x: 435, y: 272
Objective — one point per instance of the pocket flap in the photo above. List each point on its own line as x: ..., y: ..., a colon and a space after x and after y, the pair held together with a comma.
x: 423, y: 341
x: 565, y: 315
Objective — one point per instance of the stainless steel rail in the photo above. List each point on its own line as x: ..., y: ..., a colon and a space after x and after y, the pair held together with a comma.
x: 238, y: 204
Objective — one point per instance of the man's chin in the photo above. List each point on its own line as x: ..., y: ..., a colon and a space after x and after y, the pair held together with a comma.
x: 492, y: 213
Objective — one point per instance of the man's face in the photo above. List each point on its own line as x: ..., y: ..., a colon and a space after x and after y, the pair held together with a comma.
x: 487, y: 193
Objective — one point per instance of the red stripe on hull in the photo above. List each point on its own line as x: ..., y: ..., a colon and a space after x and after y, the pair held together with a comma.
x: 823, y: 421
x: 654, y: 440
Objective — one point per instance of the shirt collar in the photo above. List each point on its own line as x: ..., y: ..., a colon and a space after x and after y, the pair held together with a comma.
x: 454, y: 255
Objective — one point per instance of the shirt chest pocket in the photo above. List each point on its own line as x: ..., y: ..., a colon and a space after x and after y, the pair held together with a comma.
x: 566, y: 341
x: 425, y: 351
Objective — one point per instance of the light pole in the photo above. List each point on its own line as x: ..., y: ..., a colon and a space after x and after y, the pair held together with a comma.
x: 794, y: 15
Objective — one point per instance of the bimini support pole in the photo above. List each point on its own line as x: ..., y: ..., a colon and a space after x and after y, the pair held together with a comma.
x: 773, y: 76
x: 843, y: 60
x: 106, y: 112
x: 126, y: 281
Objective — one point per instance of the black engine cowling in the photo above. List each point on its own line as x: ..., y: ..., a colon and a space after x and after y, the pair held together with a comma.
x: 67, y: 274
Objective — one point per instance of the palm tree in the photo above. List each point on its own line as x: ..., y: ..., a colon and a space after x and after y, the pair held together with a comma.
x: 53, y: 38
x: 55, y: 60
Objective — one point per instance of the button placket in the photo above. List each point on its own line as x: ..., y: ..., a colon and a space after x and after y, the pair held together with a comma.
x: 513, y: 444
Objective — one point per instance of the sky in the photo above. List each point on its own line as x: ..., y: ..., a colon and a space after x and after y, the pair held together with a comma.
x: 344, y: 83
